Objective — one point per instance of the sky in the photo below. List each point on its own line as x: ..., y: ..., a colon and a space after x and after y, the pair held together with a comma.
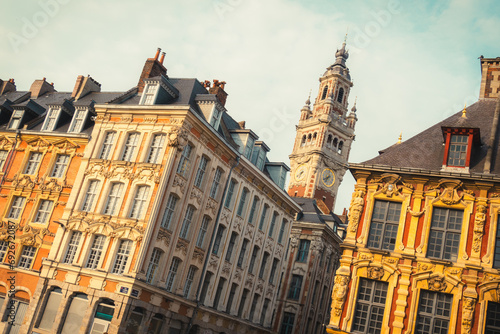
x: 412, y: 63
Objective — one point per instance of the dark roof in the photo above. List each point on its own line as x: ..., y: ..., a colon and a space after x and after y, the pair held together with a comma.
x: 312, y: 214
x: 426, y: 149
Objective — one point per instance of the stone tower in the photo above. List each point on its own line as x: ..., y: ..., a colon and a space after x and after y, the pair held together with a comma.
x: 324, y: 136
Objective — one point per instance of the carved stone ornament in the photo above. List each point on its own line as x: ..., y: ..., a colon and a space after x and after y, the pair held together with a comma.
x: 6, y: 143
x: 33, y: 237
x: 38, y: 143
x: 356, y: 209
x: 66, y: 145
x: 226, y: 268
x: 365, y: 256
x: 198, y: 255
x: 437, y: 284
x: 468, y: 314
x: 181, y: 246
x: 415, y: 213
x: 164, y: 235
x: 375, y: 272
x: 177, y: 138
x: 249, y: 281
x: 237, y: 275
x: 197, y: 194
x: 425, y: 267
x: 179, y: 182
x: 479, y: 221
x: 238, y: 223
x: 449, y: 193
x: 339, y: 294
x: 51, y: 185
x: 97, y: 168
x: 213, y: 262
x: 211, y: 205
x: 23, y: 182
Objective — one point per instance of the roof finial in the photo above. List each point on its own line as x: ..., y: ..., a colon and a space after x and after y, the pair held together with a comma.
x: 308, y: 101
x: 464, y: 112
x: 347, y: 31
x: 400, y: 137
x: 353, y: 109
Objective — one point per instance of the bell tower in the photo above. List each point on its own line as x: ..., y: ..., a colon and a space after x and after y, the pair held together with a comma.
x: 324, y: 136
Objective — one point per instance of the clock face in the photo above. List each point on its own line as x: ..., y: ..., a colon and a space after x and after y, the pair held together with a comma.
x: 300, y: 174
x: 327, y: 177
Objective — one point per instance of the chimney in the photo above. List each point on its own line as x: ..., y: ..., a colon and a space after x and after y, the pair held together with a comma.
x: 40, y: 87
x: 85, y: 85
x: 490, y: 78
x: 7, y: 86
x: 218, y: 89
x: 152, y: 68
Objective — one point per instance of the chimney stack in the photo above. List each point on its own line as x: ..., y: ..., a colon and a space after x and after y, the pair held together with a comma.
x: 490, y: 78
x: 152, y: 68
x: 218, y: 89
x: 7, y: 86
x: 162, y: 57
x: 40, y: 87
x: 83, y: 86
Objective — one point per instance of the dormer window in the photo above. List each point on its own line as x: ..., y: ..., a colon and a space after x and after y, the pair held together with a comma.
x: 149, y: 94
x: 51, y: 119
x: 459, y: 142
x: 215, y: 118
x: 457, y: 153
x: 16, y: 119
x: 78, y: 120
x: 249, y: 147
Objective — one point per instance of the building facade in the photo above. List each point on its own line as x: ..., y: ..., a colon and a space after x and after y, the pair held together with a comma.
x: 176, y: 222
x: 422, y: 252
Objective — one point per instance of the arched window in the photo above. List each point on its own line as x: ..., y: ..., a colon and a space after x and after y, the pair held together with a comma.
x: 339, y: 150
x: 50, y: 309
x: 139, y: 203
x: 303, y: 142
x: 325, y: 91
x: 335, y: 143
x: 314, y: 137
x: 156, y: 324
x: 74, y: 316
x: 329, y: 141
x: 153, y: 265
x: 341, y: 95
x: 309, y: 139
x: 102, y: 316
x: 135, y: 320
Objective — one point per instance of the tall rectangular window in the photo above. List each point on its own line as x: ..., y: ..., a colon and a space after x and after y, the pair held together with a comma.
x: 263, y: 217
x: 263, y: 265
x: 90, y: 196
x: 251, y: 217
x: 249, y: 147
x: 3, y: 250
x: 189, y: 281
x: 16, y: 208
x: 50, y: 120
x: 273, y: 223
x: 218, y: 292
x: 139, y: 202
x: 243, y: 251
x: 241, y: 205
x: 204, y: 288
x: 95, y: 252
x: 273, y: 270
x: 3, y: 158
x: 253, y: 258
x: 444, y: 235
x: 186, y: 223
x: 169, y: 211
x: 230, y: 247
x: 282, y: 230
x: 433, y: 315
x: 149, y: 94
x: 131, y: 145
x: 496, y: 261
x: 27, y: 257
x: 232, y: 292
x: 492, y: 318
x: 203, y: 231
x: 174, y: 266
x: 154, y: 262
x: 303, y: 251
x: 243, y: 300
x: 218, y: 239
x: 49, y: 312
x: 74, y: 242
x: 60, y: 165
x: 255, y: 301
x: 33, y: 162
x: 156, y: 148
x: 122, y: 256
x: 370, y: 306
x: 214, y: 120
x: 215, y: 184
x: 263, y: 312
x: 295, y: 287
x: 114, y: 198
x: 44, y: 210
x: 384, y: 225
x: 230, y: 192
x: 183, y: 166
x: 200, y: 173
x: 78, y: 120
x: 107, y: 145
x: 457, y: 153
x: 287, y: 324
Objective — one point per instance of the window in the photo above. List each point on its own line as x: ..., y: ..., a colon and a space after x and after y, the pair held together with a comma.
x: 303, y: 251
x: 3, y: 250
x: 215, y: 183
x: 218, y: 292
x: 243, y: 300
x: 74, y: 242
x: 78, y: 120
x: 263, y: 313
x: 149, y: 94
x: 230, y: 247
x: 230, y: 192
x: 243, y: 251
x: 287, y: 324
x: 90, y: 196
x: 74, y: 316
x: 204, y: 288
x: 339, y: 148
x: 33, y: 162
x: 27, y: 257
x: 187, y: 222
x: 496, y: 258
x: 183, y: 166
x: 3, y: 158
x: 134, y: 320
x: 303, y: 141
x: 130, y: 146
x: 444, y: 236
x: 16, y: 207
x: 341, y: 95
x: 169, y: 211
x: 493, y: 318
x: 295, y: 287
x: 15, y: 121
x: 215, y: 119
x: 156, y: 148
x: 200, y: 173
x: 273, y: 270
x: 263, y: 265
x: 60, y: 165
x: 255, y: 202
x: 263, y: 217
x: 122, y: 256
x: 154, y: 262
x: 51, y: 119
x: 50, y: 309
x: 189, y: 281
x: 218, y: 239
x: 203, y: 231
x: 282, y: 231
x: 255, y: 301
x: 172, y: 272
x: 95, y: 252
x: 249, y: 147
x: 114, y: 197
x: 232, y: 292
x: 44, y: 210
x: 139, y: 202
x: 384, y: 225
x: 241, y: 205
x: 433, y: 315
x: 252, y: 259
x: 107, y: 145
x: 102, y: 317
x: 156, y: 324
x: 325, y: 92
x: 370, y: 306
x: 457, y: 153
x: 273, y: 223
x: 14, y: 314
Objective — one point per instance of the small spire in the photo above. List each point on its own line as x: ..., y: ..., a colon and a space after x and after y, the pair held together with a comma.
x: 400, y: 137
x: 345, y: 38
x: 308, y: 101
x: 464, y: 112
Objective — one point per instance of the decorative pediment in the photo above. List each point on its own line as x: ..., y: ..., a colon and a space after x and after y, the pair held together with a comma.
x: 66, y: 145
x: 181, y: 246
x: 391, y: 185
x: 51, y: 185
x: 23, y: 182
x: 6, y: 143
x: 450, y: 192
x: 437, y: 283
x: 164, y: 235
x: 37, y: 143
x: 32, y: 237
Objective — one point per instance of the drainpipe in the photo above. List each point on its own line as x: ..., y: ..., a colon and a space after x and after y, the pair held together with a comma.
x: 209, y: 250
x: 9, y: 158
x: 493, y: 136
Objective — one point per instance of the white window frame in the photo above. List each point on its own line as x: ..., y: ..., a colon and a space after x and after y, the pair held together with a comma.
x: 26, y: 258
x: 203, y: 231
x: 60, y: 165
x: 157, y: 143
x: 189, y: 281
x: 51, y: 119
x: 200, y: 173
x: 215, y: 118
x: 44, y: 211
x: 150, y: 93
x: 184, y: 160
x: 130, y: 146
x: 139, y: 202
x: 95, y: 252
x: 16, y: 207
x: 153, y: 265
x: 122, y: 255
x: 90, y: 195
x: 33, y: 162
x: 172, y: 273
x: 107, y: 145
x: 186, y: 223
x: 169, y: 211
x: 78, y: 120
x: 16, y: 119
x: 113, y: 202
x: 3, y: 158
x: 214, y: 189
x: 73, y: 244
